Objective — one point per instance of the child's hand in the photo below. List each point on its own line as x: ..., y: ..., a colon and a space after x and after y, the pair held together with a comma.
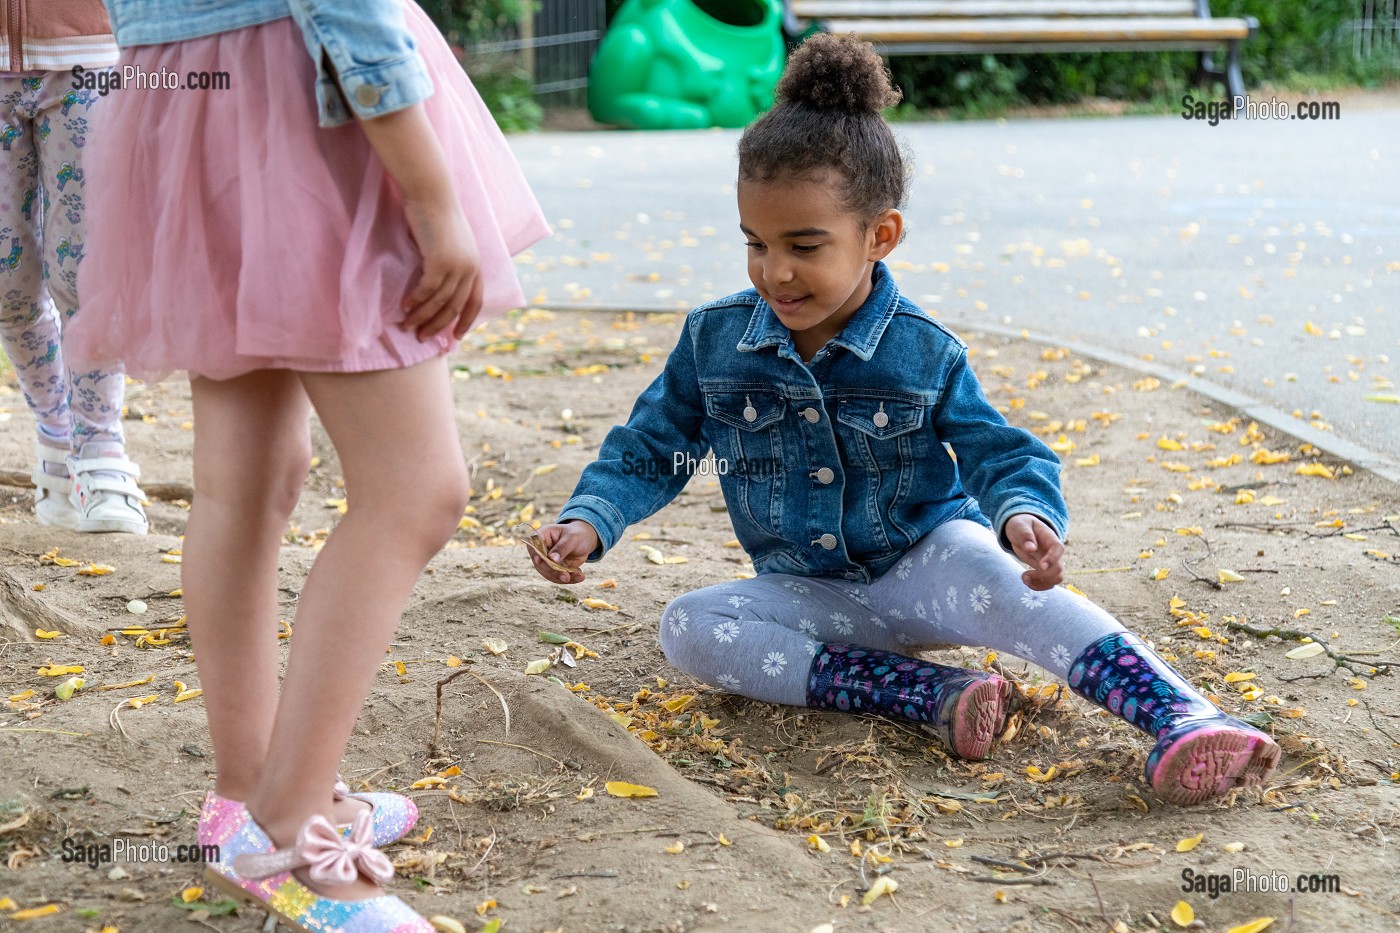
x: 1037, y: 545
x: 449, y: 293
x: 568, y: 544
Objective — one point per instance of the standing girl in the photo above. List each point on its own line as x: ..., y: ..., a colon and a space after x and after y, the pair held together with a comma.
x: 869, y: 539
x: 314, y: 229
x: 82, y: 477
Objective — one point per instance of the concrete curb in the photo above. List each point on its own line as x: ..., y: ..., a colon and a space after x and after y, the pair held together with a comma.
x: 1276, y: 418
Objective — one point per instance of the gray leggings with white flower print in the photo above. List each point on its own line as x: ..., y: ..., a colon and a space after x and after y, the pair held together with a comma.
x: 956, y: 586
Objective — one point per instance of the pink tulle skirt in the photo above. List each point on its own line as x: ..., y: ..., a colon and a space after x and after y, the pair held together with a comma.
x: 227, y: 232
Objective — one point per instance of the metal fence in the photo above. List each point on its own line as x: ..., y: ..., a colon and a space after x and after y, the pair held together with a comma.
x: 1376, y: 33
x: 555, y: 45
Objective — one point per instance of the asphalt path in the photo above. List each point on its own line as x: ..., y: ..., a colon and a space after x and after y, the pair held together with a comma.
x: 1259, y: 256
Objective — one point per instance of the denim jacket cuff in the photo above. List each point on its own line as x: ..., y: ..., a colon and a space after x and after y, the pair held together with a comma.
x: 602, y: 515
x: 1024, y: 505
x: 372, y: 91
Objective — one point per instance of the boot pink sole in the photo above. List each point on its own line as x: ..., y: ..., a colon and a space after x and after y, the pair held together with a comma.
x: 1211, y: 761
x: 978, y: 718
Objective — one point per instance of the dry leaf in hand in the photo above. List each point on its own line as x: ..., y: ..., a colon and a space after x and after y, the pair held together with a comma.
x: 526, y: 534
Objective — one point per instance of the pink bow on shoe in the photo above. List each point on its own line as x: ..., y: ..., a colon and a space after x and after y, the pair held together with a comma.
x: 331, y: 857
x: 336, y: 859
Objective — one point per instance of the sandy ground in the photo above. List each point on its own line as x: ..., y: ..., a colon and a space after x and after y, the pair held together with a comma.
x: 522, y: 827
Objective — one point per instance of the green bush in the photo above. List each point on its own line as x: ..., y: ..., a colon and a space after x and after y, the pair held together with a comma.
x: 1306, y: 42
x: 499, y: 77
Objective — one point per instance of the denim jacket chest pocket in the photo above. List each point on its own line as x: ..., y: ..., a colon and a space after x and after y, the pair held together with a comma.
x: 882, y: 432
x: 746, y: 433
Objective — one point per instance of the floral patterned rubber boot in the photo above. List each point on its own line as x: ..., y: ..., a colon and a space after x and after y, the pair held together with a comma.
x: 1201, y: 752
x: 965, y: 708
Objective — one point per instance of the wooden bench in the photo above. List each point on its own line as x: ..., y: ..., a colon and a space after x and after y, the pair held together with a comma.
x: 918, y: 27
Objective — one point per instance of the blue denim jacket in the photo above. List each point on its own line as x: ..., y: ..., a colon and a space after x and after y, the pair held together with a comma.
x: 835, y: 467
x: 373, y: 54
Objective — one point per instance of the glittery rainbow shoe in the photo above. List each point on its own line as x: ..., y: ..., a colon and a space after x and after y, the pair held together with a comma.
x: 1200, y: 752
x: 252, y: 870
x: 392, y: 816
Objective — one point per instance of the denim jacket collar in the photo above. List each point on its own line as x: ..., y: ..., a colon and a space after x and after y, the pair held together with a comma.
x: 862, y: 332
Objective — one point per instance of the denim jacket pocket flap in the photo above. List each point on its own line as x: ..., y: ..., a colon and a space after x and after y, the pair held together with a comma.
x: 745, y: 409
x: 880, y: 418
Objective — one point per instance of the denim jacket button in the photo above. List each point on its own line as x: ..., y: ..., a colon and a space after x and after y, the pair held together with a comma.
x: 368, y: 95
x: 750, y: 413
x: 881, y: 419
x: 827, y: 541
x: 825, y: 475
x: 812, y: 415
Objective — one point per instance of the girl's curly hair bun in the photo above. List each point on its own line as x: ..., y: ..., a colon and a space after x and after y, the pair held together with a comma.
x: 844, y: 73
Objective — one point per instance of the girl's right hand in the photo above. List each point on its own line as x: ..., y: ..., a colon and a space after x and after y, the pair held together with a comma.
x: 568, y: 544
x: 449, y: 292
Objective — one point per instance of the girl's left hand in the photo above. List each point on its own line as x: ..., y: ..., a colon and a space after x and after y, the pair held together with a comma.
x: 1038, y: 546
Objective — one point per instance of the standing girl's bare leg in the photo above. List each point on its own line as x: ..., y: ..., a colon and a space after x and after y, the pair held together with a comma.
x: 406, y: 486
x: 252, y: 450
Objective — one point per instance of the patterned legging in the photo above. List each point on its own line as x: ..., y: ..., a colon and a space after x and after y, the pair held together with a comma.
x: 955, y: 586
x: 43, y: 124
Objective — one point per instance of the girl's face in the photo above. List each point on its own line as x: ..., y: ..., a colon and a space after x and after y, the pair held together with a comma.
x: 809, y: 257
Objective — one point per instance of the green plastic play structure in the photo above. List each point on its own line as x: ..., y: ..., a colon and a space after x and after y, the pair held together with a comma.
x: 687, y: 64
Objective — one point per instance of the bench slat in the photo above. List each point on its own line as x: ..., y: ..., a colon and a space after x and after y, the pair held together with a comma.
x: 907, y: 9
x: 1030, y: 31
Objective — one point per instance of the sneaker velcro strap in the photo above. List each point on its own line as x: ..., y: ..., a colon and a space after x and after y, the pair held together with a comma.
x: 55, y: 484
x: 114, y: 464
x: 123, y: 484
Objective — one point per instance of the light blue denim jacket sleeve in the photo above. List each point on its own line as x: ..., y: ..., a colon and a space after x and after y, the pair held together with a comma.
x: 364, y: 43
x: 1006, y: 469
x: 633, y: 478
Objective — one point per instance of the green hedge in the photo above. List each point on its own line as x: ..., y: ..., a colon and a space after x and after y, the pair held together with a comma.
x: 499, y: 77
x: 1296, y: 38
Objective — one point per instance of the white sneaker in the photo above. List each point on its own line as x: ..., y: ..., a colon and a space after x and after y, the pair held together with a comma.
x: 105, y: 495
x: 51, y: 493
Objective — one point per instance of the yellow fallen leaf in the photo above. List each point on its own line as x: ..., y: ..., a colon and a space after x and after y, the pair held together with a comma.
x: 7, y: 903
x: 96, y: 570
x: 495, y: 645
x: 1182, y: 914
x: 544, y: 468
x: 1315, y: 469
x: 35, y: 912
x: 109, y: 639
x: 953, y: 843
x: 679, y: 704
x: 130, y: 683
x: 1310, y: 650
x: 818, y: 843
x: 1190, y: 842
x: 138, y: 702
x: 585, y: 794
x: 20, y: 697
x: 1166, y: 443
x: 1235, y: 677
x: 676, y: 848
x: 1233, y: 847
x: 594, y: 603
x: 651, y: 554
x: 1253, y: 926
x: 1228, y: 576
x: 537, y: 667
x: 724, y: 841
x: 453, y: 661
x: 191, y: 894
x: 445, y: 924
x: 1038, y: 776
x: 59, y: 670
x: 1161, y: 573
x: 883, y: 885
x: 400, y: 669
x: 488, y: 904
x: 40, y: 633
x: 427, y: 782
x: 1090, y: 461
x: 184, y: 695
x: 624, y: 789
